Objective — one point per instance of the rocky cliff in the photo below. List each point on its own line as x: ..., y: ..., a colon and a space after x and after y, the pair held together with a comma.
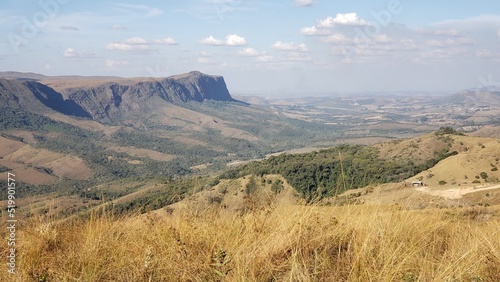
x: 108, y: 100
x: 36, y: 97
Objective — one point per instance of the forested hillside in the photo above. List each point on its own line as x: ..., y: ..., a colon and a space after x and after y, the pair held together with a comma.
x: 329, y: 172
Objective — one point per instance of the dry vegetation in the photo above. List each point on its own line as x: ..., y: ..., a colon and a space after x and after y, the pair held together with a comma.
x: 30, y: 163
x: 278, y: 243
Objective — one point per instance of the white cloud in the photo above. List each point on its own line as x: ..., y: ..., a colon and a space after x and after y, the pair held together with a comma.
x: 407, y: 44
x: 249, y: 52
x: 314, y: 31
x: 138, y: 44
x: 231, y: 40
x: 118, y: 27
x: 114, y: 63
x: 498, y: 32
x: 204, y: 54
x: 135, y: 41
x: 212, y: 41
x: 304, y: 3
x: 143, y: 9
x: 439, y: 32
x: 442, y: 53
x: 464, y: 41
x: 382, y: 38
x: 484, y: 54
x: 69, y: 53
x: 235, y: 40
x: 72, y: 53
x: 204, y: 60
x: 126, y: 47
x: 337, y: 38
x: 165, y: 41
x: 291, y: 46
x: 350, y: 19
x: 265, y: 59
x: 47, y: 66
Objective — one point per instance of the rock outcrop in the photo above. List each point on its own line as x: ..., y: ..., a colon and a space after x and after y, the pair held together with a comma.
x: 109, y: 100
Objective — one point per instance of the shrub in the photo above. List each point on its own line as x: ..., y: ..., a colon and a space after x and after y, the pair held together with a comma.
x: 483, y: 175
x: 442, y: 182
x: 277, y: 186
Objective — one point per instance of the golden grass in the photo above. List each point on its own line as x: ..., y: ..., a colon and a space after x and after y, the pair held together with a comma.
x: 285, y: 243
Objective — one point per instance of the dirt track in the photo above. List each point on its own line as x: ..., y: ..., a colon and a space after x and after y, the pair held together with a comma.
x: 455, y: 192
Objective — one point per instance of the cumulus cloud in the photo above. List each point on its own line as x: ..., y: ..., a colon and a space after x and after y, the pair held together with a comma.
x: 350, y: 19
x: 135, y: 41
x: 165, y: 41
x: 235, y: 40
x: 484, y: 53
x: 337, y: 38
x: 118, y: 27
x: 69, y: 53
x: 407, y: 44
x: 230, y: 40
x: 249, y: 52
x: 464, y: 41
x: 204, y: 54
x: 291, y: 46
x: 382, y: 38
x: 115, y: 63
x: 304, y: 3
x: 265, y: 59
x: 204, y: 60
x: 442, y: 53
x: 72, y: 53
x: 212, y: 41
x: 144, y: 10
x: 439, y: 32
x: 127, y: 47
x: 139, y: 44
x: 314, y: 31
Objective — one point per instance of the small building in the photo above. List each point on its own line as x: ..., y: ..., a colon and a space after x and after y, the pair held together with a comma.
x: 417, y: 183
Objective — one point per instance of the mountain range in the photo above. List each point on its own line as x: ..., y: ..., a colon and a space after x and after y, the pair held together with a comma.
x: 106, y: 99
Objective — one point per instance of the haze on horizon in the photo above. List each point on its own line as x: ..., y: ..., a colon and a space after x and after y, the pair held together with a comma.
x: 261, y: 47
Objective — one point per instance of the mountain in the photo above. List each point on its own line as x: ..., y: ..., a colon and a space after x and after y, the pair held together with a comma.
x: 36, y: 97
x: 108, y: 99
x: 473, y: 98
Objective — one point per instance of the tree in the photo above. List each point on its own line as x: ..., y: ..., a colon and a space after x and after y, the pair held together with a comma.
x: 251, y: 185
x: 483, y: 175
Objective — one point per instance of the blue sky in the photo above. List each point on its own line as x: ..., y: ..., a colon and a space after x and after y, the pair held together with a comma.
x: 269, y: 48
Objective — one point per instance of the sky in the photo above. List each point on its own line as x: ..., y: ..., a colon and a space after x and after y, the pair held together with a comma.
x: 267, y: 48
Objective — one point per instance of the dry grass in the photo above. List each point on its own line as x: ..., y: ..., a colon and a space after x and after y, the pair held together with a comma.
x: 286, y: 243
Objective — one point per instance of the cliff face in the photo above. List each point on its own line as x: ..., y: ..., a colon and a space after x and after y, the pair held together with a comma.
x: 110, y: 100
x: 36, y: 97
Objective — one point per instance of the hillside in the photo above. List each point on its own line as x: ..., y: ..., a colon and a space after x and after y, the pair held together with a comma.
x: 110, y: 100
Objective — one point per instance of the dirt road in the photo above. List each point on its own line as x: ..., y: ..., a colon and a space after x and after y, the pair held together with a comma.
x: 455, y: 192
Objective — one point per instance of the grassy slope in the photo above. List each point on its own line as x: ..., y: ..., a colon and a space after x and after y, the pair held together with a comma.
x: 476, y: 155
x: 282, y: 243
x: 28, y: 163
